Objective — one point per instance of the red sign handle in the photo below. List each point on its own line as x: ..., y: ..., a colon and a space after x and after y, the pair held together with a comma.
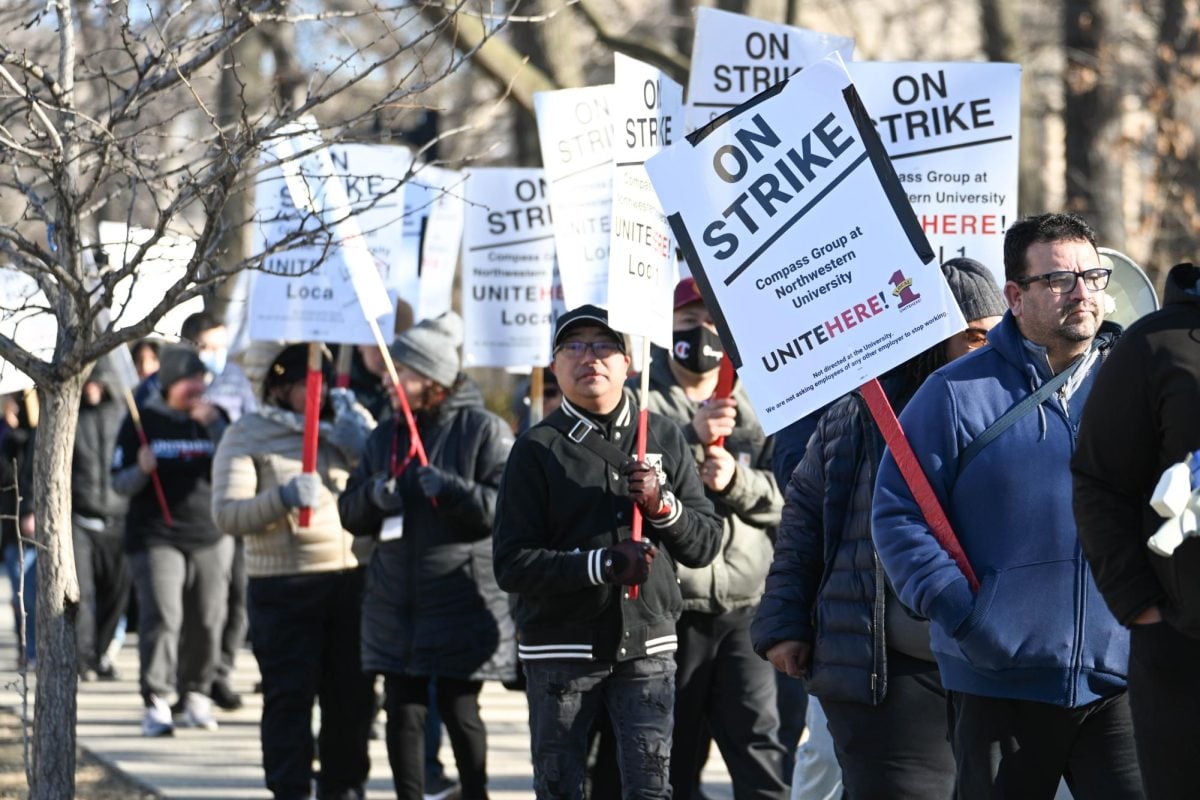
x: 914, y: 476
x: 312, y: 421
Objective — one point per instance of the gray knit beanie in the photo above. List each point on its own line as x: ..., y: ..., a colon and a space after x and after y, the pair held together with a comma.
x: 974, y: 288
x: 431, y: 348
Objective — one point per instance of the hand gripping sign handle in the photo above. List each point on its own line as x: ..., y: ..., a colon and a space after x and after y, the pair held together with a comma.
x: 400, y: 400
x: 312, y: 420
x: 643, y: 420
x: 154, y: 479
x: 914, y: 476
x: 725, y: 380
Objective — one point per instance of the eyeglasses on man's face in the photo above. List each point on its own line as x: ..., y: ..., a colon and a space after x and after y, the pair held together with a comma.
x: 1064, y: 282
x: 975, y: 338
x: 602, y: 349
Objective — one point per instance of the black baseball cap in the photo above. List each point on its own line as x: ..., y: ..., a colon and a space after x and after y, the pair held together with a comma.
x: 584, y: 315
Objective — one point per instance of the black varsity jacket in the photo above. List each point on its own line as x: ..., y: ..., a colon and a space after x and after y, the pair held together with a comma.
x: 561, y: 504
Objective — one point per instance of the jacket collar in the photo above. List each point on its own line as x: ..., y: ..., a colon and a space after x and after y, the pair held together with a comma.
x: 1030, y: 358
x: 623, y: 418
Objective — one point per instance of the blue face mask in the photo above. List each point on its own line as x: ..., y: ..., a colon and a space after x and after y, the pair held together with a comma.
x: 214, y: 360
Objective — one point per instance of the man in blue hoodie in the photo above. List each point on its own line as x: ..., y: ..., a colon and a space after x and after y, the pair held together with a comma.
x: 1034, y: 661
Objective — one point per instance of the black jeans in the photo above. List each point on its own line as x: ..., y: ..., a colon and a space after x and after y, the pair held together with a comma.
x: 899, y: 749
x: 104, y: 585
x: 1163, y: 666
x: 1018, y: 749
x: 722, y: 686
x: 564, y: 699
x: 406, y: 701
x: 306, y: 641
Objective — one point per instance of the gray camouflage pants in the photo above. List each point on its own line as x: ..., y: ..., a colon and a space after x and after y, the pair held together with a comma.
x: 564, y: 698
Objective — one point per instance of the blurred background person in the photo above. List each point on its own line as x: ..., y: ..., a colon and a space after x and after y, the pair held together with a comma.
x: 180, y: 568
x: 305, y: 583
x: 432, y: 607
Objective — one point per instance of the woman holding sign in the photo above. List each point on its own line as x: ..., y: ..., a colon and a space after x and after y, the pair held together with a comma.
x: 432, y: 607
x: 305, y: 581
x: 829, y: 614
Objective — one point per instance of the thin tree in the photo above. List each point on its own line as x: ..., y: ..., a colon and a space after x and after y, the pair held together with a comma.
x: 131, y: 125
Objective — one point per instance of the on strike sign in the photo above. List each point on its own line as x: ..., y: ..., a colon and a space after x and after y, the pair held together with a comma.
x: 804, y: 246
x: 952, y: 131
x: 735, y: 57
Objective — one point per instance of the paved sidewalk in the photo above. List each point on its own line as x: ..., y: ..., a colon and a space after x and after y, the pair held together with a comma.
x: 226, y: 764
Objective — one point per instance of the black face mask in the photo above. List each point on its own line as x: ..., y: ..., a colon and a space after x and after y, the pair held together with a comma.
x: 697, y: 349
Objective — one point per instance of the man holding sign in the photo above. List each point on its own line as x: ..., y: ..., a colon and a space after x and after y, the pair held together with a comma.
x: 1034, y: 663
x: 722, y: 686
x: 563, y: 546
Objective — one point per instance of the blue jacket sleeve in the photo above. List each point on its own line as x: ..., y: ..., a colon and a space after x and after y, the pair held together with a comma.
x: 924, y: 576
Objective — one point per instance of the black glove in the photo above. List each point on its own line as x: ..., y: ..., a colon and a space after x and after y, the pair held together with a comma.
x: 644, y: 488
x: 386, y: 493
x: 432, y: 480
x: 627, y: 563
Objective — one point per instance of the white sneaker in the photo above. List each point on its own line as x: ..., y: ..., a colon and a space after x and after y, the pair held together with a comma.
x: 156, y: 721
x: 197, y: 712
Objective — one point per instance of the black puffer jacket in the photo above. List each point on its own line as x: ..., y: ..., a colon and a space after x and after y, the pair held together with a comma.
x: 826, y: 586
x: 432, y: 606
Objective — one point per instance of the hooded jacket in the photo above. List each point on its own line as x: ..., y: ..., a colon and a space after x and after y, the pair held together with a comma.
x: 561, y: 505
x: 184, y: 449
x: 432, y: 606
x: 1144, y: 415
x: 92, y: 492
x: 749, y: 507
x: 1038, y: 628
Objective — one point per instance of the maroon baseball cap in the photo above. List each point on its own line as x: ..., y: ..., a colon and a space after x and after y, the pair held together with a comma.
x: 687, y: 292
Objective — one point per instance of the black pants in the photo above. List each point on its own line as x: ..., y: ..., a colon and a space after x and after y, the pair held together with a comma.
x: 1019, y: 749
x: 899, y: 749
x: 406, y: 701
x: 722, y: 686
x: 234, y: 634
x: 306, y: 640
x: 1163, y: 669
x: 104, y: 585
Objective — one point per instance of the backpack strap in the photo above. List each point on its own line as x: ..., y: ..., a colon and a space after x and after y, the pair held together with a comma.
x: 581, y: 433
x: 1012, y: 416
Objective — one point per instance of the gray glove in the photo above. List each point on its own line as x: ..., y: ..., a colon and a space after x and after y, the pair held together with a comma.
x: 386, y: 494
x: 352, y: 423
x: 302, y: 491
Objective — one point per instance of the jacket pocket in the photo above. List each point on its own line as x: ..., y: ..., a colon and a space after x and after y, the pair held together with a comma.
x: 1024, y: 617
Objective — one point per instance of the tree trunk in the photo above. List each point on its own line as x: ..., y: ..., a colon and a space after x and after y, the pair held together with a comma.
x: 1095, y: 146
x: 58, y: 594
x: 1175, y: 102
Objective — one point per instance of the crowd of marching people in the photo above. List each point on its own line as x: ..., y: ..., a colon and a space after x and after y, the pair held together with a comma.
x: 431, y: 549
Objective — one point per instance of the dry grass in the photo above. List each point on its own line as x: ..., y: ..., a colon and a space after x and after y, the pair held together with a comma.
x: 93, y: 779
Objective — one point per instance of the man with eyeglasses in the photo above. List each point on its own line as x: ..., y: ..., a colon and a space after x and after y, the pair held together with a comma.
x: 1033, y: 661
x: 563, y: 546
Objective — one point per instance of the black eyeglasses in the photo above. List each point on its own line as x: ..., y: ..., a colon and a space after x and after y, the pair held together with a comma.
x: 1064, y: 282
x: 601, y: 349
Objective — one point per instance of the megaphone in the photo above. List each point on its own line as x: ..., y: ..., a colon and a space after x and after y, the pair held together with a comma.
x: 1130, y: 289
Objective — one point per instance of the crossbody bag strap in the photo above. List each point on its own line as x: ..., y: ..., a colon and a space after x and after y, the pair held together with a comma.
x: 581, y: 433
x: 1012, y: 416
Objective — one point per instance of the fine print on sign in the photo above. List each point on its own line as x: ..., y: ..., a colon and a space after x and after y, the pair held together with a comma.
x: 508, y: 269
x: 802, y: 240
x: 952, y: 132
x: 576, y: 137
x: 735, y: 57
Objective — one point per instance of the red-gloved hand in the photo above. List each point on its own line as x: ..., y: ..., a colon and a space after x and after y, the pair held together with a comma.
x: 627, y: 563
x: 644, y: 488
